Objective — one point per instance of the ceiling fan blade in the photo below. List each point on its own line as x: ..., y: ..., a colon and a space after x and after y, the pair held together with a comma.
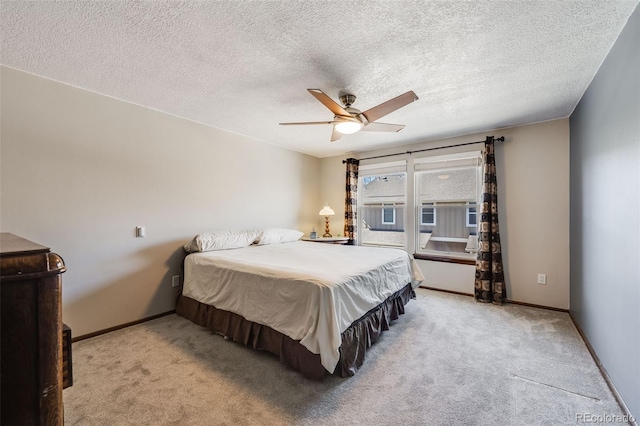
x: 389, y: 106
x: 329, y: 103
x: 306, y: 123
x: 382, y: 127
x: 335, y: 135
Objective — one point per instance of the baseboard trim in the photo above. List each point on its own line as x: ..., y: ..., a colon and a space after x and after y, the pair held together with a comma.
x: 531, y: 305
x: 121, y: 326
x: 604, y: 373
x: 446, y: 291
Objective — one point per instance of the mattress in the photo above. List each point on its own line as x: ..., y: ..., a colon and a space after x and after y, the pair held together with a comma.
x: 307, y: 291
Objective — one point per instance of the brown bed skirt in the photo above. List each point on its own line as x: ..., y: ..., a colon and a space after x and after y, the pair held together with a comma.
x: 355, y: 340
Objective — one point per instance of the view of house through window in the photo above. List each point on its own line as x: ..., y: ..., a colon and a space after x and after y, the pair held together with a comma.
x: 451, y: 186
x: 472, y: 215
x: 444, y: 198
x: 382, y: 199
x: 388, y: 215
x: 427, y: 215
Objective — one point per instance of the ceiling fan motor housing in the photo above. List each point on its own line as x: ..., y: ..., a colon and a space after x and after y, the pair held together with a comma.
x: 347, y: 99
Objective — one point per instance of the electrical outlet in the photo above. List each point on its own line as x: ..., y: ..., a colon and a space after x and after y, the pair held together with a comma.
x: 175, y: 281
x: 542, y: 279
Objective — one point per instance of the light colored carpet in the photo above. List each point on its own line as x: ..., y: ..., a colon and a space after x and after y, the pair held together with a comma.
x: 447, y: 361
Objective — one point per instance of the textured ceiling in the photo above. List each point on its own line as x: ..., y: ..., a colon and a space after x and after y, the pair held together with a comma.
x: 244, y: 66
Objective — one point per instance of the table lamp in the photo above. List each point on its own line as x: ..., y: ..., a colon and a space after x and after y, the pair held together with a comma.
x: 326, y: 212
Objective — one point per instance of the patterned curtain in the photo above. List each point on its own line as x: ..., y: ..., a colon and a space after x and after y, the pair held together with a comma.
x: 489, y: 284
x: 350, y: 201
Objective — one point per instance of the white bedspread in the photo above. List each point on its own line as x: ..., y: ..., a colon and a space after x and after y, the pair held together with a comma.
x: 308, y: 291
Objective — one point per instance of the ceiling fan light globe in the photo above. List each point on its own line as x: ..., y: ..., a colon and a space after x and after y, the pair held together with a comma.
x: 348, y: 127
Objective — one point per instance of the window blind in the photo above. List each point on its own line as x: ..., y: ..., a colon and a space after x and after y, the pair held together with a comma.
x: 448, y: 162
x: 382, y: 168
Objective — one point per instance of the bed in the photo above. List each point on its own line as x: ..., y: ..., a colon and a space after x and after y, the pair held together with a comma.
x: 319, y: 307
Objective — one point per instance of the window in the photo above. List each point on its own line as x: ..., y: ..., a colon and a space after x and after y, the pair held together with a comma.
x: 436, y: 210
x: 449, y: 185
x: 472, y: 215
x: 382, y: 194
x: 388, y: 215
x: 428, y: 215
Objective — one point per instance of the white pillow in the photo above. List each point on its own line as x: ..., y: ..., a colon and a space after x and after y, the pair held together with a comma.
x: 221, y: 240
x: 277, y: 235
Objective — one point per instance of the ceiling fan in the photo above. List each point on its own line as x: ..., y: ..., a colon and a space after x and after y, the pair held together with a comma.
x: 348, y: 120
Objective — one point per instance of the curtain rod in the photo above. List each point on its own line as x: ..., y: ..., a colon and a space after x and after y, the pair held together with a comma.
x: 500, y: 139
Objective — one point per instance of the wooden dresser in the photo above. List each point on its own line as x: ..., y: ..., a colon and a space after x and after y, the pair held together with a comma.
x: 31, y: 362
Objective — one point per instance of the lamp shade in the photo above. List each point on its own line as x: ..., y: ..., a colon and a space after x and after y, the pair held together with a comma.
x: 326, y: 210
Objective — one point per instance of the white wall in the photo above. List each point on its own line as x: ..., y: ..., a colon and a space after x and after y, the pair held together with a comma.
x: 448, y: 276
x: 80, y: 170
x: 533, y: 197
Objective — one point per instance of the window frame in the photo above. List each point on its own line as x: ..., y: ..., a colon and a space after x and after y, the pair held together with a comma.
x: 412, y: 209
x: 468, y: 215
x: 395, y: 171
x: 433, y: 212
x: 442, y: 255
x: 393, y: 214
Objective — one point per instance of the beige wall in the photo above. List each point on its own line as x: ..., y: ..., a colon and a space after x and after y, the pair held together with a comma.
x: 80, y: 171
x: 332, y: 190
x: 533, y: 185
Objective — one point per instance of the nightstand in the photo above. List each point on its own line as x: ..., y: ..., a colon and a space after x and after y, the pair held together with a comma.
x: 332, y: 240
